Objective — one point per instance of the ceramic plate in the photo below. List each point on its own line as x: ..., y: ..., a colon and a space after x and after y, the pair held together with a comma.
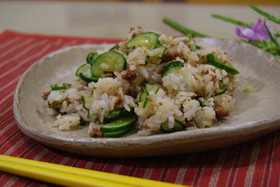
x: 255, y: 113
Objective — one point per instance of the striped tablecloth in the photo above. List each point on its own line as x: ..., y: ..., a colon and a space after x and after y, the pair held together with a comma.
x: 252, y: 163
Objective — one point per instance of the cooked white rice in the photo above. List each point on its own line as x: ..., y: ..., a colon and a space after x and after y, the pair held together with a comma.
x: 173, y: 101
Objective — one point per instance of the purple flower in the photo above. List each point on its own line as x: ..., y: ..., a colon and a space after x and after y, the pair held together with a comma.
x: 256, y: 32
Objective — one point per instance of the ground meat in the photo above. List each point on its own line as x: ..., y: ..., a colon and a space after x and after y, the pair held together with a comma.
x: 190, y: 124
x: 145, y: 126
x: 221, y: 112
x: 136, y: 31
x: 167, y: 58
x: 56, y: 106
x: 96, y: 133
x: 132, y: 93
x: 46, y: 94
x: 213, y: 77
x: 108, y: 74
x: 119, y: 103
x: 129, y: 75
x: 158, y: 70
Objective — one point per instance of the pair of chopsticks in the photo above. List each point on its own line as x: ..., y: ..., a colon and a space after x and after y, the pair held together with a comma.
x: 70, y: 176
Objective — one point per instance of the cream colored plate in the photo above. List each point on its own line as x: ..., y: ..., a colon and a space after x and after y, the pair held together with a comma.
x: 255, y: 113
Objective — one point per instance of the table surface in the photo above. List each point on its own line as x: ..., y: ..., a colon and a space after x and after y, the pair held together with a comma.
x: 31, y: 30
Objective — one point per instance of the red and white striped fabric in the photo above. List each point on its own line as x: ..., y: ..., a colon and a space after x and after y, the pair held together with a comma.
x: 253, y: 163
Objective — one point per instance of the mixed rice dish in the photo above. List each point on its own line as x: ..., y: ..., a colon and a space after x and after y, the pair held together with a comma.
x: 150, y: 82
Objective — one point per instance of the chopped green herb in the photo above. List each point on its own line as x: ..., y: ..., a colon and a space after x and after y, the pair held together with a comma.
x: 249, y: 89
x: 64, y: 86
x: 210, y: 58
x: 201, y: 103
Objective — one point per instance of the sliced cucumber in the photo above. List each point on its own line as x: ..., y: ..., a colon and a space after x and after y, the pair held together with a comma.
x: 88, y: 79
x: 162, y: 49
x: 144, y: 96
x: 116, y: 114
x: 227, y: 67
x: 109, y: 61
x: 171, y: 65
x: 152, y: 87
x: 143, y: 99
x: 146, y: 39
x: 91, y: 57
x: 220, y: 92
x: 178, y: 126
x: 114, y: 47
x: 119, y: 124
x: 87, y: 102
x: 116, y: 134
x: 81, y: 73
x: 82, y: 69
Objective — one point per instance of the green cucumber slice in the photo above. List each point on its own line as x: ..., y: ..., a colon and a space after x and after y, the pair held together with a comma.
x: 152, y: 87
x: 178, y: 126
x: 171, y: 65
x: 82, y: 69
x: 146, y: 39
x: 109, y: 61
x: 88, y: 79
x: 116, y: 134
x: 143, y: 99
x: 114, y: 47
x: 80, y: 73
x: 220, y: 92
x: 119, y: 124
x: 91, y: 57
x: 162, y: 49
x: 87, y: 102
x: 227, y: 67
x: 116, y: 114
